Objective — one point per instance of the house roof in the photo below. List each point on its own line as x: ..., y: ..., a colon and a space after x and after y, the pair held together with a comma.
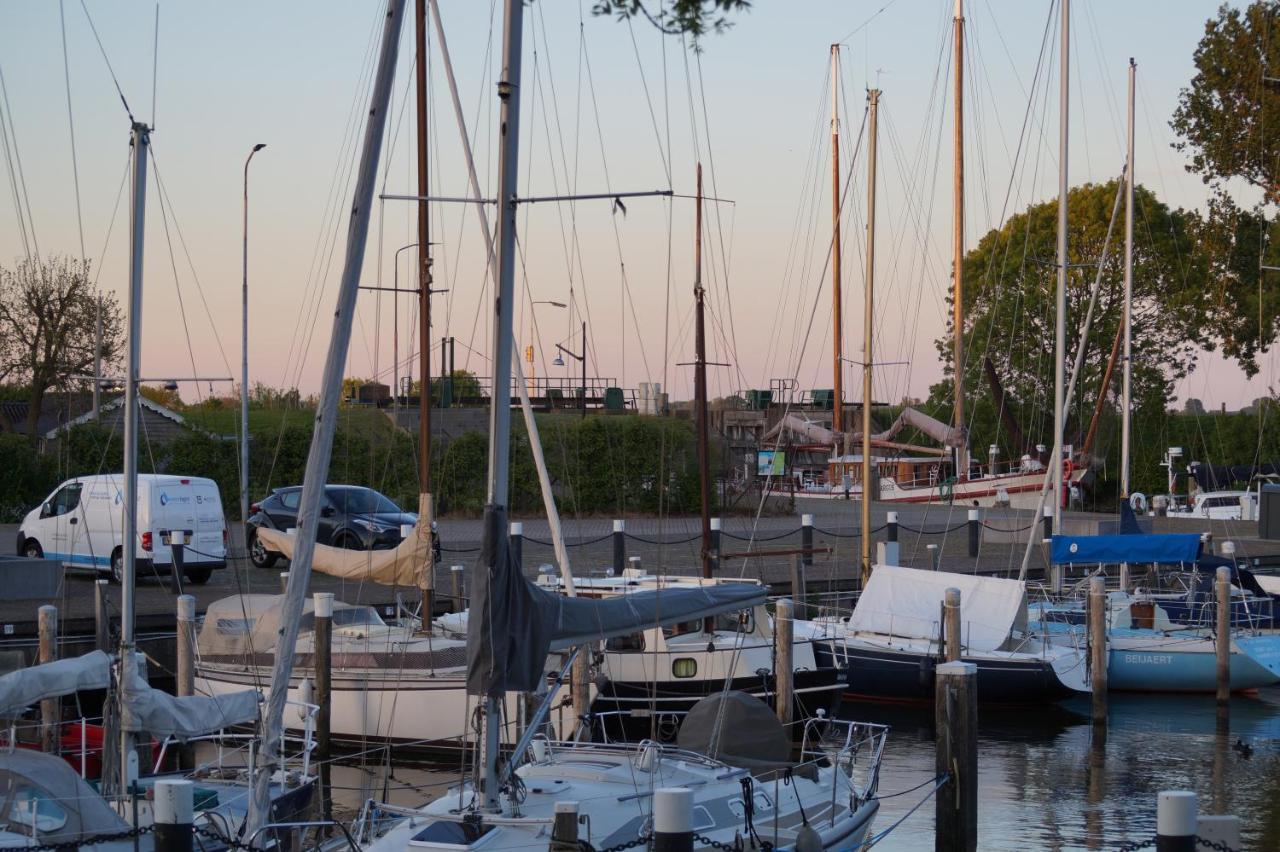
x: 146, y: 403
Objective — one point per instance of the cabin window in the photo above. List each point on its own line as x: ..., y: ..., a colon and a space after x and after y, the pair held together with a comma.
x: 736, y: 622
x: 235, y: 626
x: 684, y: 667
x: 630, y: 642
x: 32, y: 808
x: 682, y: 628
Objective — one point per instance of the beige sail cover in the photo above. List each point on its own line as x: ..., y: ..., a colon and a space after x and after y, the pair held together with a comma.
x: 409, y: 564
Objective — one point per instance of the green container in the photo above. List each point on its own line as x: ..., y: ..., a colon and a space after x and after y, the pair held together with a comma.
x: 823, y: 398
x: 613, y: 399
x: 759, y: 400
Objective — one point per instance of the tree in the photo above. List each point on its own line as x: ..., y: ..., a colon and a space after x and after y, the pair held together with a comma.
x: 679, y: 16
x: 1193, y: 407
x: 1010, y: 309
x: 161, y: 395
x: 48, y: 316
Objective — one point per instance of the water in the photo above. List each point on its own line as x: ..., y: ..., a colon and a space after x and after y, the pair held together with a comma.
x: 1044, y: 783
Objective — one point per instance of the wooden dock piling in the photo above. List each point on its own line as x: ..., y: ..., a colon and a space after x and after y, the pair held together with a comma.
x: 956, y: 756
x: 1223, y: 588
x: 50, y: 708
x: 1098, y: 647
x: 324, y: 689
x: 784, y: 663
x: 952, y: 641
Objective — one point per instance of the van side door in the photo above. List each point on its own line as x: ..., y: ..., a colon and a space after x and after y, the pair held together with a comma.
x: 65, y: 529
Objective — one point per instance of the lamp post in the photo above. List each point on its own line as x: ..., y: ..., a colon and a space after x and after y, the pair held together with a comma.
x: 244, y: 350
x: 395, y: 324
x: 559, y: 362
x: 533, y: 381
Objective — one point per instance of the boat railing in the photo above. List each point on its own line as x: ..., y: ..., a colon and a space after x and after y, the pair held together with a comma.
x: 229, y: 744
x: 852, y: 748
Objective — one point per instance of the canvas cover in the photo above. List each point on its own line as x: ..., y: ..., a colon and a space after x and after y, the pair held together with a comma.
x: 408, y: 564
x: 907, y: 602
x: 948, y: 436
x: 24, y: 687
x: 513, y: 624
x: 737, y: 728
x: 1161, y: 548
x: 87, y: 814
x: 148, y: 710
x: 244, y: 625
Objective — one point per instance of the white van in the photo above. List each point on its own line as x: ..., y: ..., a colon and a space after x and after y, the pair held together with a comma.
x: 81, y: 525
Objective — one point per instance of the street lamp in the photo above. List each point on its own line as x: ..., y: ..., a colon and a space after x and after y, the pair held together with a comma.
x: 532, y: 378
x: 395, y: 324
x: 559, y: 362
x: 244, y: 350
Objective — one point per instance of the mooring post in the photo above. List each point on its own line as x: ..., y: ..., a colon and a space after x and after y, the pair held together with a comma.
x: 955, y: 711
x: 50, y: 708
x: 580, y: 689
x: 1047, y: 522
x: 672, y: 819
x: 619, y: 546
x: 516, y: 539
x: 784, y: 663
x: 806, y: 538
x: 284, y: 582
x: 185, y: 681
x: 1055, y: 570
x: 975, y: 531
x: 101, y: 622
x: 1223, y: 588
x: 951, y: 611
x: 799, y: 590
x: 177, y: 549
x: 1098, y: 654
x: 715, y: 545
x: 324, y: 690
x: 456, y: 574
x: 173, y: 810
x: 891, y: 526
x: 564, y: 829
x: 1175, y: 821
x: 935, y: 556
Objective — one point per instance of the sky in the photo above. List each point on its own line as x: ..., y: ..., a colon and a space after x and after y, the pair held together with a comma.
x: 608, y: 108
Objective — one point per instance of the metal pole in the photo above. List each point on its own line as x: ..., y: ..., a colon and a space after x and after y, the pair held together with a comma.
x: 500, y: 410
x: 97, y: 360
x: 326, y: 416
x: 1060, y: 327
x: 957, y: 241
x: 137, y: 220
x: 424, y: 268
x: 244, y: 348
x: 700, y: 390
x: 837, y: 300
x: 868, y: 469
x: 1126, y: 393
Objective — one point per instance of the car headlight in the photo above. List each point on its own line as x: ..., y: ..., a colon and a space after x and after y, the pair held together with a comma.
x: 371, y: 526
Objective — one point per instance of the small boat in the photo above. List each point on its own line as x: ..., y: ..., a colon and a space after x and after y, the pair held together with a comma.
x: 891, y: 642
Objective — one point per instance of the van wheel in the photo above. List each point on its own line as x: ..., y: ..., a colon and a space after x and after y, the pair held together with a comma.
x: 199, y: 576
x: 117, y: 566
x: 259, y: 555
x: 32, y: 550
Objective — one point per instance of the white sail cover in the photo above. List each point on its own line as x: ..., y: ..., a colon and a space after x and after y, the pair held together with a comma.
x: 798, y: 429
x: 907, y: 602
x: 948, y: 436
x: 24, y: 687
x: 148, y: 710
x: 408, y: 564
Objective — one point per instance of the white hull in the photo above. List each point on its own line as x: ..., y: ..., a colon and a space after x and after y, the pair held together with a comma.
x: 1022, y: 489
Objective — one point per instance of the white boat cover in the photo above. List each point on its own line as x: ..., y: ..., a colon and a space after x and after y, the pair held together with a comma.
x: 148, y: 710
x: 801, y: 430
x: 948, y: 436
x: 907, y: 602
x: 244, y: 625
x: 24, y: 687
x: 408, y: 564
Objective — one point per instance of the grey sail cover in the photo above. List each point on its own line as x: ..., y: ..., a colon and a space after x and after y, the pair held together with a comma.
x: 24, y: 687
x: 512, y: 624
x: 162, y: 715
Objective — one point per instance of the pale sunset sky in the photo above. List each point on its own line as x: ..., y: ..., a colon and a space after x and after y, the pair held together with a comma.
x: 608, y: 107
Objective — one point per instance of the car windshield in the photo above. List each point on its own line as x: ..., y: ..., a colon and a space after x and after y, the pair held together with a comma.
x: 360, y: 501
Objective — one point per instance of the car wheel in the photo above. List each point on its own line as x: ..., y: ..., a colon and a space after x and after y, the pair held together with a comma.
x: 32, y: 549
x: 117, y: 566
x: 259, y: 555
x: 349, y: 541
x: 199, y: 576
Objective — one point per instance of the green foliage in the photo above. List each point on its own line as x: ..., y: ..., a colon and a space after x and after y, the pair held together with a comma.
x: 692, y: 17
x: 24, y: 476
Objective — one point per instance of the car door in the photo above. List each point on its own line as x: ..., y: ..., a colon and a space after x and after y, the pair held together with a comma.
x: 282, y: 508
x: 333, y: 514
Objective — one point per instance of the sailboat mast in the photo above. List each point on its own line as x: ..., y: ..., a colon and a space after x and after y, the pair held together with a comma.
x: 425, y: 510
x: 700, y: 386
x: 500, y: 406
x: 141, y: 143
x: 326, y: 417
x: 1060, y: 328
x: 868, y: 469
x: 837, y: 333
x: 957, y: 244
x: 1126, y: 394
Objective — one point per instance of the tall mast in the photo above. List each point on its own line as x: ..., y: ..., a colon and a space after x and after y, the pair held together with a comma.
x: 141, y: 143
x: 1060, y: 329
x: 500, y: 410
x: 1126, y: 400
x: 957, y: 243
x: 700, y: 386
x: 837, y: 335
x: 425, y: 511
x: 868, y: 309
x: 326, y: 417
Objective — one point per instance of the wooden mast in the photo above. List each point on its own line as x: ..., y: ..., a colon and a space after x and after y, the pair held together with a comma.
x: 868, y: 469
x: 957, y: 245
x: 700, y: 387
x: 425, y: 510
x: 837, y: 404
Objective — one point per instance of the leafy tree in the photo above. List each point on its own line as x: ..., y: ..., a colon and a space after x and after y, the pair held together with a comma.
x: 48, y: 317
x: 678, y: 16
x: 162, y: 396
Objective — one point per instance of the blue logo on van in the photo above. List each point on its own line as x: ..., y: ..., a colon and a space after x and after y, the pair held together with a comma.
x: 119, y: 498
x: 164, y: 499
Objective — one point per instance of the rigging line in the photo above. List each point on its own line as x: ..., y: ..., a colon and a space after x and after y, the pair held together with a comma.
x: 644, y: 82
x: 17, y: 157
x: 13, y: 187
x: 862, y: 26
x: 124, y: 176
x: 155, y: 65
x: 173, y: 264
x: 71, y: 125
x: 107, y: 60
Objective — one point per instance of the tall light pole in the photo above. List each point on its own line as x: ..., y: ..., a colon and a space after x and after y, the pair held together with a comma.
x: 559, y: 362
x: 244, y: 350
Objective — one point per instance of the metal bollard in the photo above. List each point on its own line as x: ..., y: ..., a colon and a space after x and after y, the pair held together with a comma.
x: 1048, y: 523
x: 891, y: 526
x: 516, y: 540
x: 1175, y: 821
x: 935, y: 556
x: 173, y: 809
x: 975, y: 531
x: 50, y: 708
x: 619, y: 546
x: 806, y: 539
x: 673, y: 819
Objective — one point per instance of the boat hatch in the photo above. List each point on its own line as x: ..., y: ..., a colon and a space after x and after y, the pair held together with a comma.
x: 443, y: 834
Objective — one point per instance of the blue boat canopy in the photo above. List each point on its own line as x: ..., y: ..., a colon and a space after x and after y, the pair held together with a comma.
x: 1163, y: 548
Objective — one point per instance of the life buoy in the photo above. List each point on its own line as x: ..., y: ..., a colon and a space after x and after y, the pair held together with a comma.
x: 1067, y: 469
x: 1138, y: 502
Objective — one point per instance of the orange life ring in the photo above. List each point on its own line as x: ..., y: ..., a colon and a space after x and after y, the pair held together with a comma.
x: 1067, y: 469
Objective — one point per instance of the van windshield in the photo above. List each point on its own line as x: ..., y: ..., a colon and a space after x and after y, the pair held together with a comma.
x: 360, y: 501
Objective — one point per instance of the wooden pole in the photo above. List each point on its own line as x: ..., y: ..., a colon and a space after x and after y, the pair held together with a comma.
x: 50, y: 708
x: 783, y: 662
x: 580, y: 688
x: 798, y: 590
x: 324, y: 691
x: 956, y: 756
x: 951, y: 610
x: 185, y: 681
x: 1098, y: 654
x: 1223, y: 588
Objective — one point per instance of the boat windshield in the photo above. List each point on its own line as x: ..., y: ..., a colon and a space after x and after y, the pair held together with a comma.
x: 347, y: 616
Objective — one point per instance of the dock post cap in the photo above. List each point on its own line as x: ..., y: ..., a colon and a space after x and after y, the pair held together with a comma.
x: 1175, y: 813
x: 566, y: 807
x: 291, y: 531
x: 1048, y: 511
x: 406, y: 530
x: 715, y: 525
x: 672, y: 810
x: 973, y: 514
x: 806, y: 520
x: 186, y: 608
x: 891, y: 517
x: 619, y: 525
x: 517, y: 528
x: 952, y: 596
x: 956, y: 669
x: 174, y: 800
x: 1228, y: 548
x: 324, y: 604
x: 1098, y: 584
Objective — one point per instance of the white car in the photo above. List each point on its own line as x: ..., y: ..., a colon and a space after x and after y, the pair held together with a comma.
x: 81, y: 525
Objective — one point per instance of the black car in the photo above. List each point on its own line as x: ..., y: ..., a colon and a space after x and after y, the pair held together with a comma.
x: 351, y: 516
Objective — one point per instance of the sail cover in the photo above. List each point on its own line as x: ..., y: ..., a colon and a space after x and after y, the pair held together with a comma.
x: 513, y: 624
x: 1161, y: 548
x: 24, y: 687
x: 408, y: 564
x: 162, y: 715
x: 907, y: 602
